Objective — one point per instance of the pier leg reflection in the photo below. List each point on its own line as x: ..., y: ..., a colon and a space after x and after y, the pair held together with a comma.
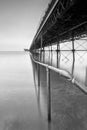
x: 38, y: 88
x: 49, y: 94
x: 38, y: 71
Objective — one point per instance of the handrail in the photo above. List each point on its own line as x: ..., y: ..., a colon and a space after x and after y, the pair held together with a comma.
x: 61, y: 71
x: 48, y: 68
x: 64, y: 73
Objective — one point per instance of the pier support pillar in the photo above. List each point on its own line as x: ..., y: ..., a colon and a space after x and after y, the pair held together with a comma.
x: 58, y: 45
x: 58, y: 50
x: 41, y: 40
x: 51, y: 47
x: 73, y: 63
x: 73, y: 47
x: 73, y: 51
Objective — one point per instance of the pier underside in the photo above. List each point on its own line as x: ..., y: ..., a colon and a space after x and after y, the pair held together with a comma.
x: 67, y: 20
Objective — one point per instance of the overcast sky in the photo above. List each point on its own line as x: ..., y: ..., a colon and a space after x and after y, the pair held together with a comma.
x: 19, y: 20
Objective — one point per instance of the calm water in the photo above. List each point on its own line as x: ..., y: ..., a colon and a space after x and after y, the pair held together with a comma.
x: 19, y: 108
x: 68, y: 102
x: 23, y: 104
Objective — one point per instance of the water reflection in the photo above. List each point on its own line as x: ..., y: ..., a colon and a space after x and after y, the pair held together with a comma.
x: 20, y: 104
x: 41, y: 90
x: 43, y: 93
x: 37, y: 88
x: 69, y: 107
x: 73, y: 62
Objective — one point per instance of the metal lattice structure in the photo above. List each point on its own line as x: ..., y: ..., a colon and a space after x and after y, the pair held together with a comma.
x: 64, y: 20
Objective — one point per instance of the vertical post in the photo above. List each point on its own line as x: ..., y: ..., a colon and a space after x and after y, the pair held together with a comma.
x: 57, y: 54
x: 43, y: 54
x: 73, y: 62
x: 58, y: 49
x: 73, y: 47
x: 41, y: 47
x: 38, y: 68
x: 41, y: 42
x: 51, y: 47
x: 49, y: 94
x: 34, y: 50
x: 51, y: 57
x: 39, y: 55
x: 73, y: 51
x: 58, y: 44
x: 49, y: 53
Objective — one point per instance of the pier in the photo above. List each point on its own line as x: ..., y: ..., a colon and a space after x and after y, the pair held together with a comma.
x: 44, y: 87
x: 60, y: 48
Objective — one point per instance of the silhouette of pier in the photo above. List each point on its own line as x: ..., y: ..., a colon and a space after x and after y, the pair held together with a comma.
x: 64, y: 20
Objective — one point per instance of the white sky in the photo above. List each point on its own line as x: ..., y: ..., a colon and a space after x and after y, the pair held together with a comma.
x: 19, y: 20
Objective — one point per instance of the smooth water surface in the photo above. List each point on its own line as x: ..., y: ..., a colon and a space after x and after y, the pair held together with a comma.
x: 19, y: 109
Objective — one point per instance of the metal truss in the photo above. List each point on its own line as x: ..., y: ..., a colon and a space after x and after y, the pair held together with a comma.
x: 81, y: 44
x: 66, y: 44
x: 61, y: 7
x: 66, y: 56
x: 81, y: 55
x: 59, y: 22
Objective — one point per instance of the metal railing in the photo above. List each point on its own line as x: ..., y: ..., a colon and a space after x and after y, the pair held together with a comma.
x: 61, y: 72
x: 48, y: 68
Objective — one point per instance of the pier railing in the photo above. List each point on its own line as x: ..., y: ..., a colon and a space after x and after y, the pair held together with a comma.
x: 48, y: 68
x: 61, y: 72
